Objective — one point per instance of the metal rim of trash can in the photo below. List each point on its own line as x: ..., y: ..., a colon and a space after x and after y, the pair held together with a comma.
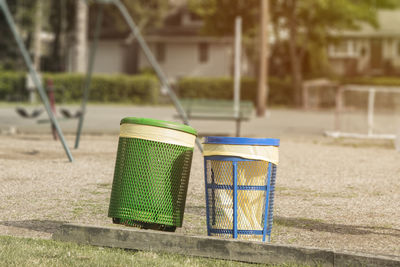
x: 241, y: 141
x: 160, y: 123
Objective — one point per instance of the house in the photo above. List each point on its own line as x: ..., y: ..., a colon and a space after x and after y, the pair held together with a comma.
x: 369, y: 50
x: 179, y: 47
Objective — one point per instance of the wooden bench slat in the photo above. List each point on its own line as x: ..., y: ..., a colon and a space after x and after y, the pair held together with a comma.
x: 211, y: 109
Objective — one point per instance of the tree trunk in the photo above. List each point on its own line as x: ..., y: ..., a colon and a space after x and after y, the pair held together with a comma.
x: 262, y: 91
x: 79, y: 56
x: 37, y: 46
x: 295, y: 58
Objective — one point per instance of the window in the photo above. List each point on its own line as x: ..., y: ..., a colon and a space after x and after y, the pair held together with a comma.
x: 160, y: 52
x: 203, y: 52
x: 342, y: 49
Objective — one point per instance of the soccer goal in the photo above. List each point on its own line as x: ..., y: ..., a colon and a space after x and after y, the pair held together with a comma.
x: 370, y: 112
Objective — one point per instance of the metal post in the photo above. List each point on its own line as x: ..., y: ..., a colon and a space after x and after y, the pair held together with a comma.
x: 50, y: 93
x: 237, y: 127
x: 235, y: 199
x: 34, y: 75
x: 150, y: 57
x: 207, y: 200
x: 371, y: 103
x: 397, y: 140
x: 88, y: 80
x: 212, y: 196
x: 266, y: 210
x: 339, y: 107
x: 236, y: 90
x: 305, y: 89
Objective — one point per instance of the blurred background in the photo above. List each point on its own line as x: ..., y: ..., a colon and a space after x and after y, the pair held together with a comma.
x: 325, y: 42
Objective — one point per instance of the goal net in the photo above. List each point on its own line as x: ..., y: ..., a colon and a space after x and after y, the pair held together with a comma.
x: 367, y: 112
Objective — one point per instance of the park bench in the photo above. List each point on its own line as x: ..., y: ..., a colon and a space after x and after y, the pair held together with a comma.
x: 207, y: 109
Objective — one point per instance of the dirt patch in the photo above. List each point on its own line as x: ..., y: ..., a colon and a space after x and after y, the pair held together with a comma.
x: 328, y: 195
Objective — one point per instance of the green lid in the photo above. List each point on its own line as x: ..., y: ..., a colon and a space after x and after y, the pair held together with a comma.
x: 159, y: 123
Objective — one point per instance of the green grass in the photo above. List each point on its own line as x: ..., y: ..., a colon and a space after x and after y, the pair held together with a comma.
x: 16, y: 251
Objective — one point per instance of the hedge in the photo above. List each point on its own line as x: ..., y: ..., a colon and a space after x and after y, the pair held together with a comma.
x: 280, y: 90
x: 138, y: 89
x: 383, y: 81
x: 12, y: 86
x: 144, y: 89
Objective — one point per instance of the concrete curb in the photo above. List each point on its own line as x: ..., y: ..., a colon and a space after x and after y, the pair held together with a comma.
x: 210, y: 247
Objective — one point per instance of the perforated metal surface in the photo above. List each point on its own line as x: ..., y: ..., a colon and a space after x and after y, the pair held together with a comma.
x: 248, y: 220
x: 150, y: 183
x: 271, y: 200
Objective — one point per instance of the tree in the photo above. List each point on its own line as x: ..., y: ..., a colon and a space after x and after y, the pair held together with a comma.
x: 310, y: 22
x: 79, y: 58
x: 148, y: 14
x: 219, y: 15
x: 24, y: 13
x: 307, y: 22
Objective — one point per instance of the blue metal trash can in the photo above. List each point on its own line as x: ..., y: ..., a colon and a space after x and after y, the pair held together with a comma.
x: 240, y: 176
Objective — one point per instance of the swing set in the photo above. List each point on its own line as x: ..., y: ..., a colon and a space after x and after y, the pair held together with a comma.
x: 38, y: 83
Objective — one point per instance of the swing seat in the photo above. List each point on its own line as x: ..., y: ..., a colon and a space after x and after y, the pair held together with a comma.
x: 68, y: 114
x: 25, y: 114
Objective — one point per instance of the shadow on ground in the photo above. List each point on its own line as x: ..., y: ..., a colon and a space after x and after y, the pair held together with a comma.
x: 318, y: 225
x: 45, y: 226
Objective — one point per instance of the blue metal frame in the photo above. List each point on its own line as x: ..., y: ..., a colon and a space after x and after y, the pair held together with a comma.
x: 213, y: 196
x: 266, y: 209
x: 269, y: 194
x: 239, y: 187
x: 241, y: 141
x: 271, y: 202
x: 240, y: 232
x: 235, y: 189
x: 207, y: 209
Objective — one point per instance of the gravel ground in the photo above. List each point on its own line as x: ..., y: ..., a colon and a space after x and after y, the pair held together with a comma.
x: 331, y: 194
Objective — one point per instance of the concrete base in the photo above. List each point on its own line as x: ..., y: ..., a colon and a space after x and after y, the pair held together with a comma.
x: 210, y: 247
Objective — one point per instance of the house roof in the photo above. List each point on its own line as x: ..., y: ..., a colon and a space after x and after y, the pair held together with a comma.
x: 388, y: 20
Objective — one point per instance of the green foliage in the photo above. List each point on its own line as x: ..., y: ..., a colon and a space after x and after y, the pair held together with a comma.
x: 219, y: 15
x: 140, y: 89
x: 150, y: 12
x: 61, y: 24
x: 383, y: 81
x: 313, y: 21
x: 12, y: 86
x: 317, y: 18
x: 281, y: 91
x: 222, y: 88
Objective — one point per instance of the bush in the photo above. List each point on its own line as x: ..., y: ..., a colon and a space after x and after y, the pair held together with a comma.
x: 12, y: 86
x: 139, y: 89
x: 281, y: 92
x: 383, y: 81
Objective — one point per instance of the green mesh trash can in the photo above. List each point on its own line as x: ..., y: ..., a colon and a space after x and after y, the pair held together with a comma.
x: 151, y: 173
